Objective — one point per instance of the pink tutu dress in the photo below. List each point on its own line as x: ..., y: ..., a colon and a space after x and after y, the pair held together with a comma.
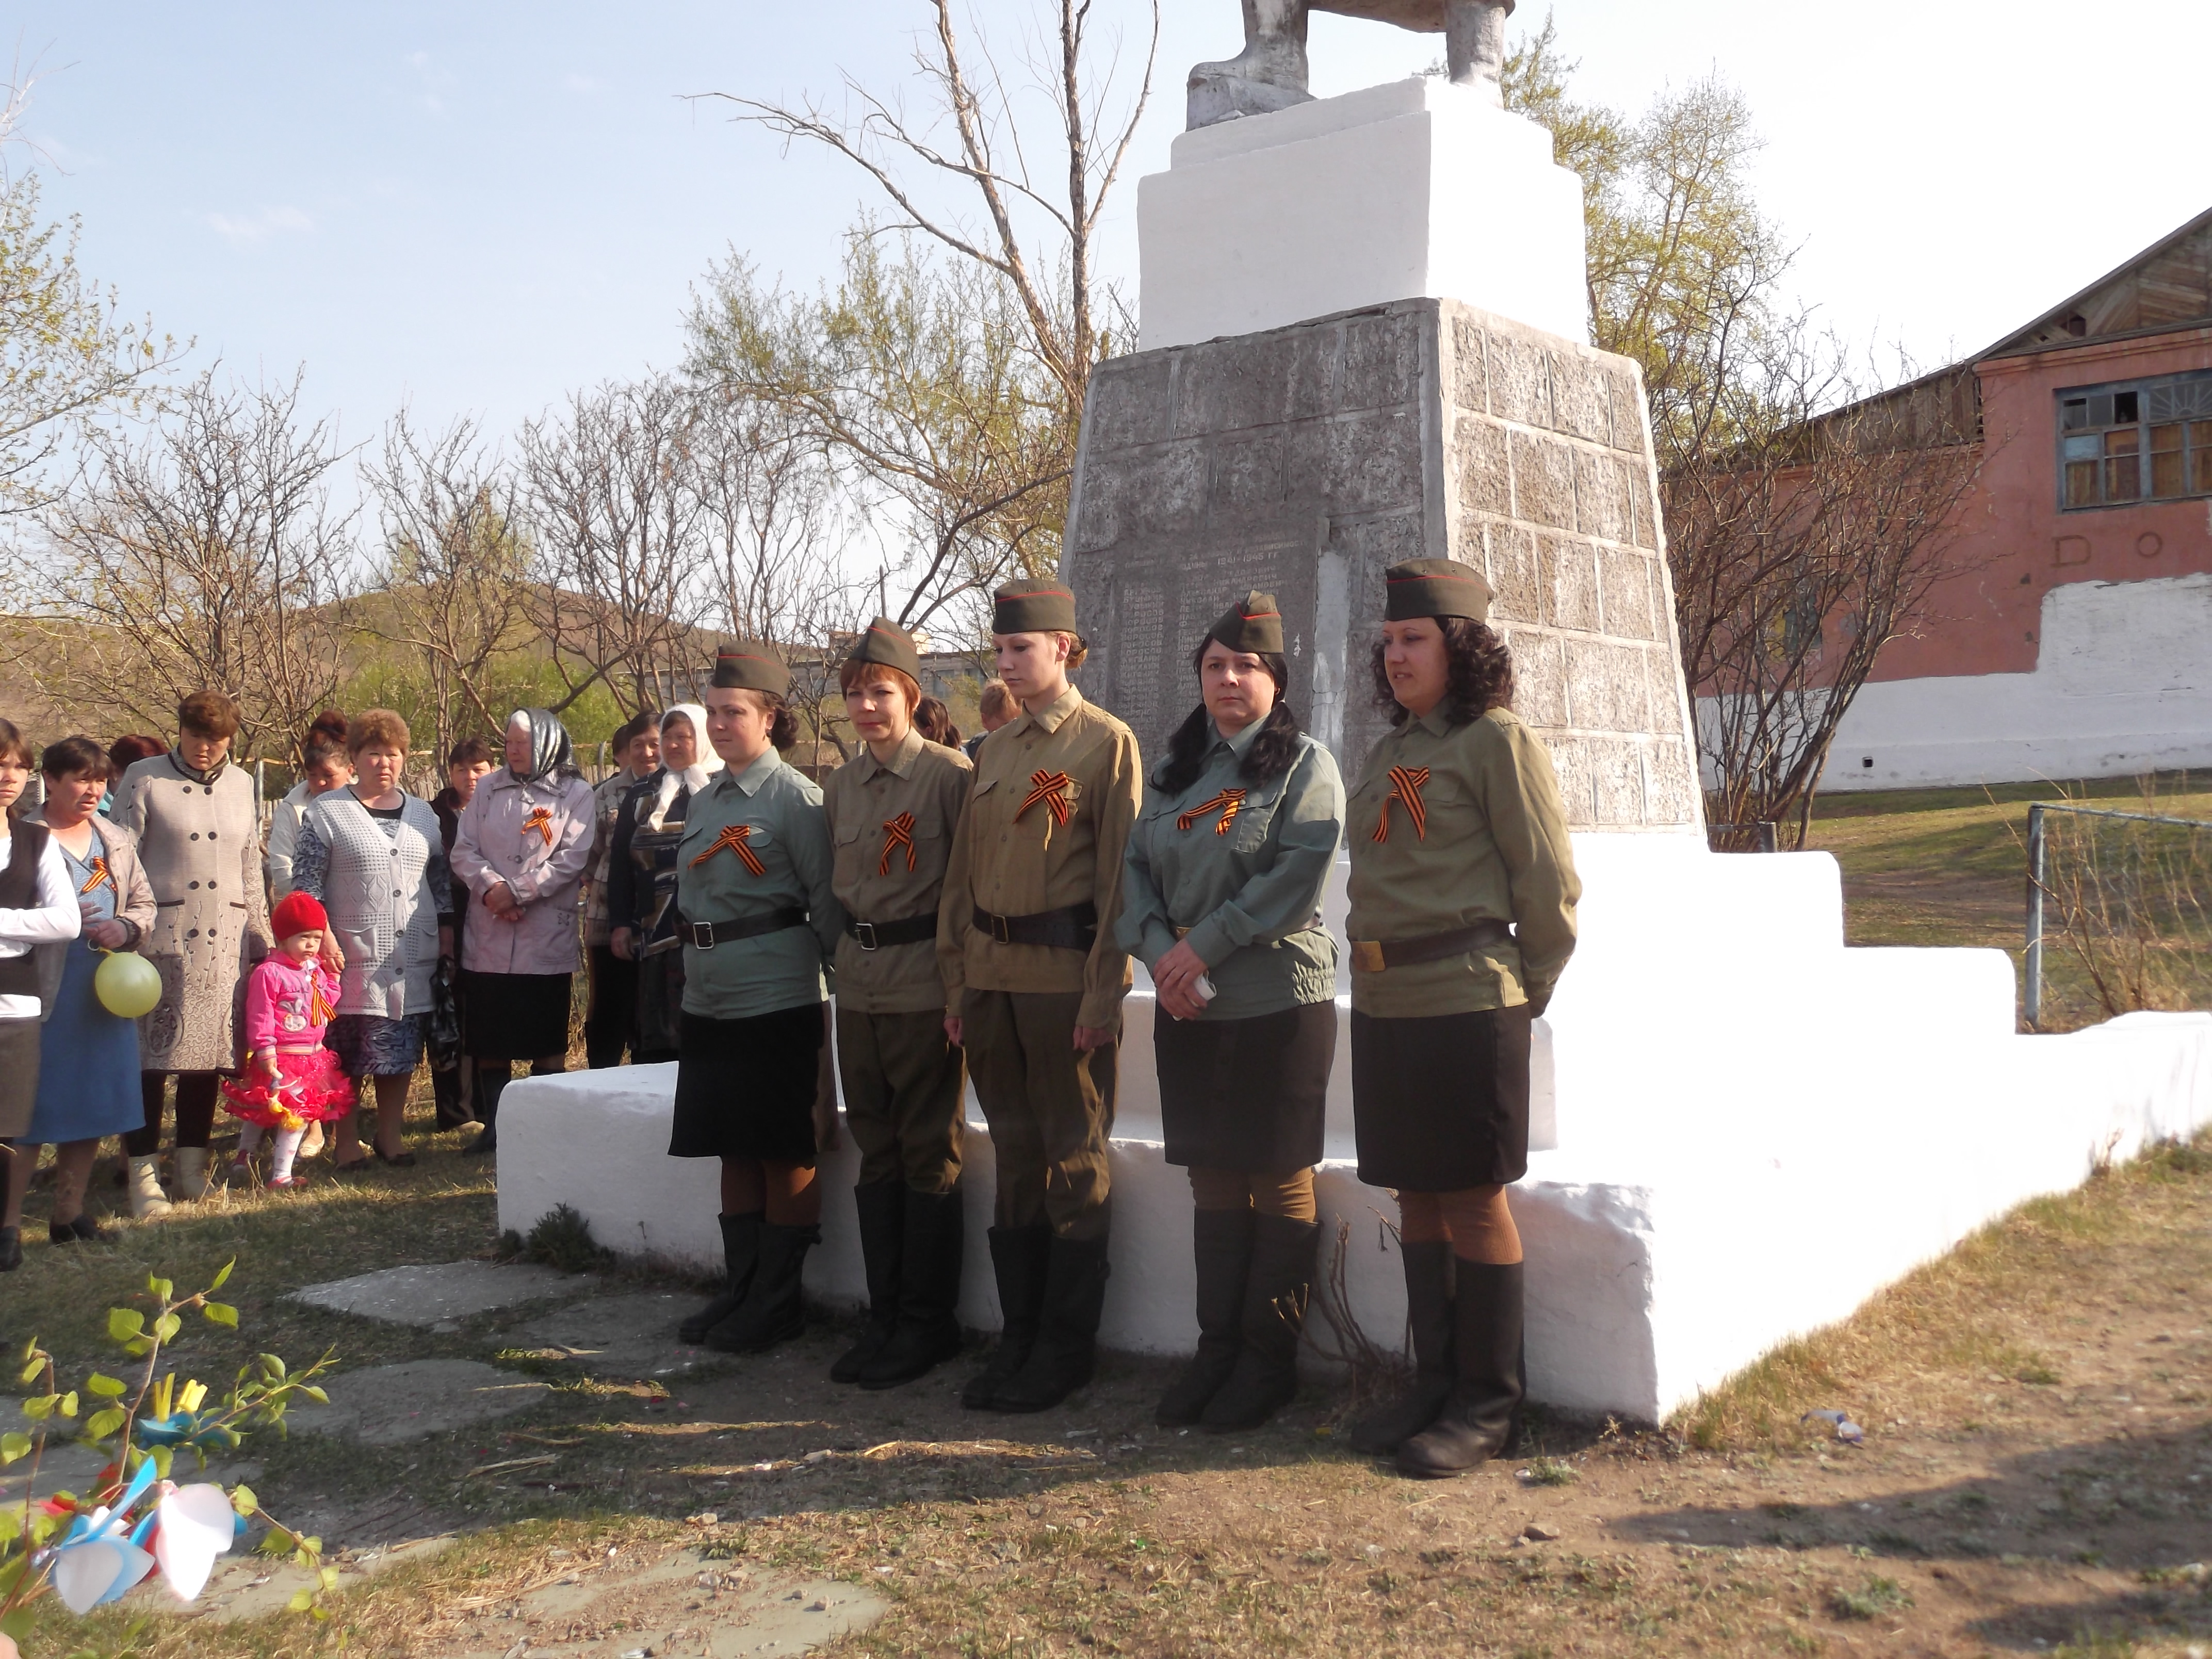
x: 288, y: 1008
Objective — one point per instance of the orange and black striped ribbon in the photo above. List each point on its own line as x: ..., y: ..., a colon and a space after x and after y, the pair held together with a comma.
x: 1407, y: 783
x: 321, y: 1011
x: 98, y: 877
x: 898, y: 832
x: 1230, y: 801
x: 1051, y: 788
x: 734, y: 836
x: 541, y: 820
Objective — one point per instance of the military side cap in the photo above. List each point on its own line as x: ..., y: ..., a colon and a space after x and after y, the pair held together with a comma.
x: 1254, y: 623
x: 885, y: 643
x: 1033, y: 607
x: 1434, y: 587
x: 749, y: 665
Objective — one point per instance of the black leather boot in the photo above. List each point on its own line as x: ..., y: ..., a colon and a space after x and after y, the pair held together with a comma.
x: 928, y: 1330
x: 1221, y: 1247
x: 1477, y: 1420
x: 1066, y: 1351
x: 1018, y: 1256
x: 1429, y: 1311
x: 882, y: 1206
x: 740, y: 1256
x: 1273, y: 1318
x: 770, y: 1312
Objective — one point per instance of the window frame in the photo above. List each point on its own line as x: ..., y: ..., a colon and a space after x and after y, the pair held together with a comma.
x: 2100, y: 450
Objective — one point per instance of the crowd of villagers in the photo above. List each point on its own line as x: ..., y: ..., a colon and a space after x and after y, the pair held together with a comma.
x: 974, y: 908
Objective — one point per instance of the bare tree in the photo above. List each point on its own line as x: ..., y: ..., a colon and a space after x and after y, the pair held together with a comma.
x: 204, y: 552
x: 616, y: 589
x: 1799, y: 552
x: 449, y: 584
x: 1026, y: 276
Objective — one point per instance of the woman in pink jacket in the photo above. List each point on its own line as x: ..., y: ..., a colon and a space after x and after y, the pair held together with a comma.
x: 520, y: 852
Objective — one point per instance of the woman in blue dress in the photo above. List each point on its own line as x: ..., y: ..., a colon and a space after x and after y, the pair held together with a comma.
x: 88, y: 1058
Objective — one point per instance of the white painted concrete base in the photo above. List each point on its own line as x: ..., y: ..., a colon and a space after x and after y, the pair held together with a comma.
x: 2122, y: 685
x: 1393, y: 192
x: 1757, y: 1130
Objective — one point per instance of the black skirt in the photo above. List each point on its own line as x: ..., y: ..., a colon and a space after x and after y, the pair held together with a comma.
x: 1441, y: 1103
x: 514, y: 1016
x: 744, y: 1088
x: 1249, y: 1095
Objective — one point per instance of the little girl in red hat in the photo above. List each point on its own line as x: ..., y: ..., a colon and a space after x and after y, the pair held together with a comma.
x: 291, y: 1080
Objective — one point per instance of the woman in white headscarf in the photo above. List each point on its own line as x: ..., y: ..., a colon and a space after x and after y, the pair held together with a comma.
x: 641, y: 877
x: 520, y: 851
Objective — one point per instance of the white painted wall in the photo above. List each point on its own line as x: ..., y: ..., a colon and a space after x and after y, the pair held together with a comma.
x: 2122, y: 684
x: 1415, y: 189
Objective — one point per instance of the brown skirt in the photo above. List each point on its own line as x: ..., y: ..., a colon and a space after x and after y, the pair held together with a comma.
x: 1441, y: 1103
x: 1250, y: 1095
x: 19, y: 1075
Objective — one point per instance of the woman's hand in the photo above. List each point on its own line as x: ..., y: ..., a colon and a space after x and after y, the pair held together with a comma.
x: 953, y: 1030
x: 333, y: 958
x: 1088, y: 1037
x: 621, y: 943
x: 265, y: 1061
x: 1175, y: 976
x: 107, y: 935
x: 1179, y: 1002
x: 503, y: 903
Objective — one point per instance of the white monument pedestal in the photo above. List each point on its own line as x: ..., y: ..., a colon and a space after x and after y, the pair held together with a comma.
x: 1758, y: 1128
x: 1418, y: 188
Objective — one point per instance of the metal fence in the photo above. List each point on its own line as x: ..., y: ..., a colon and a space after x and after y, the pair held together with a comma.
x: 2127, y: 898
x: 1764, y: 836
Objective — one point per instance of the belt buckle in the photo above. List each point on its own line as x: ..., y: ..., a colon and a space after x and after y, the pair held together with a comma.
x: 1001, y: 932
x: 702, y: 935
x: 864, y: 933
x: 1367, y: 956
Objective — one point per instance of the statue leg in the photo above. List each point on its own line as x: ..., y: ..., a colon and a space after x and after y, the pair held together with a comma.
x: 1269, y: 74
x: 1475, y: 43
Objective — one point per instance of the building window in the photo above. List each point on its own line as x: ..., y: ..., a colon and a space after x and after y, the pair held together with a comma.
x: 2140, y: 440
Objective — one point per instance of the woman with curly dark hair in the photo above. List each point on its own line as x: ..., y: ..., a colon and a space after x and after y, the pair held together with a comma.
x: 1463, y: 893
x: 1221, y: 893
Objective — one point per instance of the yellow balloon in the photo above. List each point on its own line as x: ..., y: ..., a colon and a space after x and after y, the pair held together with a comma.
x: 127, y: 984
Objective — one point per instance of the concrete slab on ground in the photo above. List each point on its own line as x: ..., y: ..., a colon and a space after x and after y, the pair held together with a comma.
x: 251, y: 1587
x: 631, y: 1335
x: 388, y: 1405
x: 439, y: 1296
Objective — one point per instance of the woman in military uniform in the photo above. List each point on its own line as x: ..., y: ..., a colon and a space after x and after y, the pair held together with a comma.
x: 1462, y: 916
x: 641, y: 881
x: 759, y: 921
x: 892, y: 810
x: 1221, y: 896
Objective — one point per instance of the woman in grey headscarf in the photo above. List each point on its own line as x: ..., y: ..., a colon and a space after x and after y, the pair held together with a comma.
x: 641, y: 877
x: 521, y: 852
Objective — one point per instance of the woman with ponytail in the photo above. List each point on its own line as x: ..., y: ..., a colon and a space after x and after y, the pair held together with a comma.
x: 1221, y: 898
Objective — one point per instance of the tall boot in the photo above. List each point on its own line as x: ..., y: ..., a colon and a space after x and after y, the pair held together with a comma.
x: 1018, y: 1259
x: 147, y: 1198
x: 1221, y: 1249
x: 929, y: 1329
x: 1474, y: 44
x: 490, y: 1085
x: 1476, y: 1423
x: 1276, y: 1296
x: 1066, y: 1351
x: 1429, y: 1311
x: 191, y: 1172
x: 770, y: 1312
x: 740, y: 1256
x: 881, y: 1204
x: 1269, y: 74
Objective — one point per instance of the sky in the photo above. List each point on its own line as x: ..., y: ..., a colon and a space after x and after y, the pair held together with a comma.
x: 472, y: 207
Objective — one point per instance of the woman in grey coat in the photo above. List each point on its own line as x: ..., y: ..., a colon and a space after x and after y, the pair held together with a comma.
x: 372, y: 854
x: 199, y: 838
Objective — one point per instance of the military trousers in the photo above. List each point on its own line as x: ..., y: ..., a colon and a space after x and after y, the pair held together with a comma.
x: 1050, y: 1107
x: 903, y: 1082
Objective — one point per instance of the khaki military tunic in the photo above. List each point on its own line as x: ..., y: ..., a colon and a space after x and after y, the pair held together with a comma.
x: 1047, y: 822
x: 893, y: 827
x: 1450, y: 826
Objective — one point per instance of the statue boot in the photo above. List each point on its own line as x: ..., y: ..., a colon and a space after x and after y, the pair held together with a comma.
x: 1474, y: 44
x: 1269, y: 74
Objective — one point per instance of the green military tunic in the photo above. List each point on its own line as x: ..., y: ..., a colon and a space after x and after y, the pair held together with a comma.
x: 756, y: 841
x: 1238, y: 871
x: 1451, y: 826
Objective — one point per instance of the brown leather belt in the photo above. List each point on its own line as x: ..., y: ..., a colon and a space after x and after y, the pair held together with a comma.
x: 1071, y: 927
x: 878, y: 935
x: 1371, y: 955
x: 706, y: 935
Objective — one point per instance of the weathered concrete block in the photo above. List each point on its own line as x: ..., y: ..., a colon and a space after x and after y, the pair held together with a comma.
x: 1470, y: 376
x: 1519, y: 376
x: 1576, y: 769
x: 1234, y: 385
x: 1606, y: 689
x: 1670, y: 790
x: 1600, y: 495
x: 1579, y: 407
x: 1643, y: 529
x: 1129, y: 404
x: 1516, y: 576
x: 1543, y: 480
x: 1164, y: 488
x: 1485, y: 468
x: 1364, y: 463
x: 1540, y: 677
x: 1623, y: 395
x: 1381, y: 362
x: 1624, y: 593
x: 1617, y: 776
x: 1570, y: 576
x: 1248, y: 471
